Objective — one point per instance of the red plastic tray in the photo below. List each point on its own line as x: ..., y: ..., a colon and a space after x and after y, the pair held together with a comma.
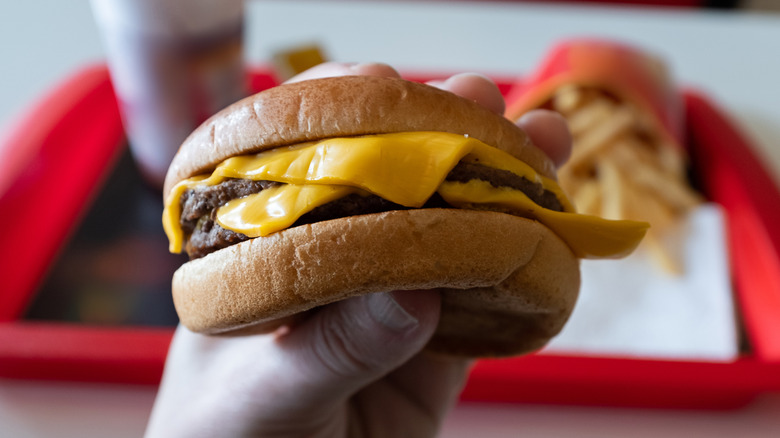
x: 77, y: 133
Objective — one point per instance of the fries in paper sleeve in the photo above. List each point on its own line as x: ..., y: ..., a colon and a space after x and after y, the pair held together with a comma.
x: 625, y: 118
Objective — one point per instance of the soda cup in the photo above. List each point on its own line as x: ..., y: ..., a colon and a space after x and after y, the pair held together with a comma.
x: 173, y: 63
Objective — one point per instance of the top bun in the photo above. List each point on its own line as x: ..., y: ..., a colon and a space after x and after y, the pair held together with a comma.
x: 340, y: 107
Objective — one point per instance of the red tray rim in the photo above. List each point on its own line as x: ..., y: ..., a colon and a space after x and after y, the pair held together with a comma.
x: 84, y: 106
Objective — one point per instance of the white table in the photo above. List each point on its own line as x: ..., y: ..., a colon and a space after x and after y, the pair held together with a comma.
x: 732, y: 57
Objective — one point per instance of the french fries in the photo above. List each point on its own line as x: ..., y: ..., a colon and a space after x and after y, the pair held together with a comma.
x: 622, y: 168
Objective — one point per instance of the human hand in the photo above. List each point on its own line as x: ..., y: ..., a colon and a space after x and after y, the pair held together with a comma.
x: 352, y: 368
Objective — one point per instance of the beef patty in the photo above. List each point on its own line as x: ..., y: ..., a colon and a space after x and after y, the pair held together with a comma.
x: 205, y: 235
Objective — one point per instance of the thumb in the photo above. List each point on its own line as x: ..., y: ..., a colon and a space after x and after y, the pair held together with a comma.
x: 349, y: 344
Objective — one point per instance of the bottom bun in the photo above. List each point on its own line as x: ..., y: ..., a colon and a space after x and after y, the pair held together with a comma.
x: 508, y: 283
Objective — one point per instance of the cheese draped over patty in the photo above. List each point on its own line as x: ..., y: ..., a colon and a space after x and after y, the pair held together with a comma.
x: 405, y: 168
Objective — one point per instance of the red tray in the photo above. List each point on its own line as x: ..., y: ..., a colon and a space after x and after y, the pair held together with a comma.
x: 77, y: 133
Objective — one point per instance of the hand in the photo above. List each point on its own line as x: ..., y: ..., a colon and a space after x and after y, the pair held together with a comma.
x: 352, y: 368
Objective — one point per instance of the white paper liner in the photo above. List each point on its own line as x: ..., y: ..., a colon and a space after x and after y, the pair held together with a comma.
x: 631, y: 308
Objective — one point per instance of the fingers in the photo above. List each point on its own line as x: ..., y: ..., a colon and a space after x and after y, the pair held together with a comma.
x: 295, y: 380
x: 472, y: 86
x: 330, y: 69
x: 347, y: 345
x: 549, y: 132
x: 476, y: 87
x: 422, y: 392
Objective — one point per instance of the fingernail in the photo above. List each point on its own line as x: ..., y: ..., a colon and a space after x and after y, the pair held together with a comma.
x: 374, y: 69
x: 460, y: 76
x: 357, y: 66
x: 386, y: 311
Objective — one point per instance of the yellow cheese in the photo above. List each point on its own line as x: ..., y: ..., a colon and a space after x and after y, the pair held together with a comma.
x: 172, y: 212
x: 587, y: 236
x: 405, y: 168
x: 276, y: 208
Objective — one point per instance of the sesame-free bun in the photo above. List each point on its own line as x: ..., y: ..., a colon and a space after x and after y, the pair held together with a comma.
x: 341, y: 107
x: 508, y: 283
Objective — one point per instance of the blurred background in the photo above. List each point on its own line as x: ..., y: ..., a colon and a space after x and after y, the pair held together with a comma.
x: 113, y: 268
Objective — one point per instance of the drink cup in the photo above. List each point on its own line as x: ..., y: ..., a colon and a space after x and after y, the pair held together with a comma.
x: 173, y: 63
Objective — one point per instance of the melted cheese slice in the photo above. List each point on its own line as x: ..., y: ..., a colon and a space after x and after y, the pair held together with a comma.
x: 587, y: 236
x: 277, y: 208
x: 405, y: 168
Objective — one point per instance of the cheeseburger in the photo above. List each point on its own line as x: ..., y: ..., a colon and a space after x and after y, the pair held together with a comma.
x: 316, y: 191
